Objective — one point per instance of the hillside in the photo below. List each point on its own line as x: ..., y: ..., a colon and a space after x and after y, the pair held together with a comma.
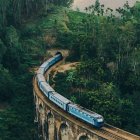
x: 106, y: 46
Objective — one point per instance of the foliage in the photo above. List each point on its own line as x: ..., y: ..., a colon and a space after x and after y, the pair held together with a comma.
x: 3, y: 50
x: 106, y: 45
x: 23, y: 27
x: 6, y: 79
x: 108, y: 77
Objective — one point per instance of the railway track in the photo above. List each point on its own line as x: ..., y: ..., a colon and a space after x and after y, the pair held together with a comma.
x: 107, y: 132
x: 111, y: 136
x: 120, y: 132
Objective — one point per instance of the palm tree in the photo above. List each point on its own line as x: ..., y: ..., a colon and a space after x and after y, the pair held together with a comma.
x: 3, y: 9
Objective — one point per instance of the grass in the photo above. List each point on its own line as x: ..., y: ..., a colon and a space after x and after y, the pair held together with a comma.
x: 60, y: 17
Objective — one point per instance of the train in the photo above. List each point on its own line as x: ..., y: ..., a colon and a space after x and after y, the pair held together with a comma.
x: 76, y: 110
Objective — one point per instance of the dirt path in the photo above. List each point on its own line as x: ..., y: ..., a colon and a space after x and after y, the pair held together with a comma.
x: 64, y: 67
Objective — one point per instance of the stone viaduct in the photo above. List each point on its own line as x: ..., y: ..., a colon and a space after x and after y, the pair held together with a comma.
x: 55, y: 124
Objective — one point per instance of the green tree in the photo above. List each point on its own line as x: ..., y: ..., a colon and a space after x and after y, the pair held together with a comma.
x: 2, y: 50
x: 6, y: 85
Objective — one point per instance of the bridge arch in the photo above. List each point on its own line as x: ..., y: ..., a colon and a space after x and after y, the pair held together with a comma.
x: 50, y: 126
x: 65, y: 132
x: 83, y: 136
x: 41, y: 109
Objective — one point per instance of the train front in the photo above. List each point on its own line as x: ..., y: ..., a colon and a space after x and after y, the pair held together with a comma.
x: 99, y: 121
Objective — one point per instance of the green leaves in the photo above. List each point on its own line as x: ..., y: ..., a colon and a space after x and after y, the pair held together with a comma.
x: 6, y: 85
x: 3, y: 11
x: 12, y: 37
x: 2, y: 50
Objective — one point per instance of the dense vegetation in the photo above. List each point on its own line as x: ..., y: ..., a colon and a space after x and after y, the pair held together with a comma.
x: 106, y: 45
x: 107, y: 80
x: 22, y: 46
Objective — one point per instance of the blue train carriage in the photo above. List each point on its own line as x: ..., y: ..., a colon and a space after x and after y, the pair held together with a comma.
x: 86, y: 115
x: 40, y: 78
x: 45, y: 66
x: 59, y: 100
x: 51, y: 61
x: 41, y: 71
x: 46, y: 89
x: 58, y: 56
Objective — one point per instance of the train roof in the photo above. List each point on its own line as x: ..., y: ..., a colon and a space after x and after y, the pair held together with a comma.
x: 40, y: 71
x: 44, y: 64
x: 60, y: 97
x: 89, y: 112
x: 41, y: 78
x: 47, y: 86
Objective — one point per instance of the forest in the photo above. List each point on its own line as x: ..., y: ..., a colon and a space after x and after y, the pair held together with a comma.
x: 106, y: 45
x: 108, y: 76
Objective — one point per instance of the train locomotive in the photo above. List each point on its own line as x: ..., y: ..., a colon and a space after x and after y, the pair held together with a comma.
x: 86, y: 115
